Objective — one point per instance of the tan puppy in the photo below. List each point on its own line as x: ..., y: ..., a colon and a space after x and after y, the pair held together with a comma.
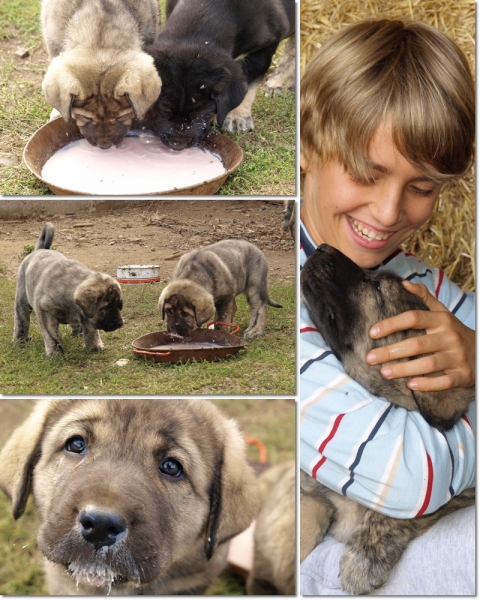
x: 273, y: 569
x: 207, y: 281
x: 61, y: 290
x: 133, y: 496
x: 99, y: 75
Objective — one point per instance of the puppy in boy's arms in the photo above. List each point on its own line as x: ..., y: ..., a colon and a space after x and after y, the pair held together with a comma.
x: 99, y: 75
x: 211, y: 57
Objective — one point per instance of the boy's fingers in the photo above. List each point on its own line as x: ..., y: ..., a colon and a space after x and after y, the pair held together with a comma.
x: 422, y: 291
x: 434, y: 384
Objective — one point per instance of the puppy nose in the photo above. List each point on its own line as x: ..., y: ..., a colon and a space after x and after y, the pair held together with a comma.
x: 101, y: 527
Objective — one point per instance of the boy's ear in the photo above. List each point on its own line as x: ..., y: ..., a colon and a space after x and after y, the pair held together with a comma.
x: 303, y: 162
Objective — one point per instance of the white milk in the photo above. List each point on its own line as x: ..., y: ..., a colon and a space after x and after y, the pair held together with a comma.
x: 140, y: 164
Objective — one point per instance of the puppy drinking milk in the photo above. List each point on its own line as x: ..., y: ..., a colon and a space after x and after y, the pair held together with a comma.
x: 99, y: 75
x: 61, y: 290
x: 206, y: 281
x: 212, y: 56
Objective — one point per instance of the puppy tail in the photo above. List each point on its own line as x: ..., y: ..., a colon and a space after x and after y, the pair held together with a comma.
x: 46, y: 237
x: 270, y: 302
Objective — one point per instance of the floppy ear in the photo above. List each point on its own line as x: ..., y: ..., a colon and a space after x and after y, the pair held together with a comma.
x: 204, y: 308
x: 234, y: 495
x: 140, y: 83
x: 161, y: 302
x: 61, y: 87
x: 89, y: 294
x: 229, y: 95
x: 19, y: 457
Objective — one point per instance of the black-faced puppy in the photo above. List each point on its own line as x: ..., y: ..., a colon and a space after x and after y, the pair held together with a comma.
x: 133, y: 497
x: 61, y: 290
x: 344, y: 301
x: 211, y: 57
x: 207, y: 281
x: 99, y: 75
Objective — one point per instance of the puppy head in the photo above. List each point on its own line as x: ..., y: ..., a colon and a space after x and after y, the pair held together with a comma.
x: 125, y: 489
x: 186, y: 306
x: 344, y: 300
x: 198, y: 84
x: 100, y: 300
x: 102, y: 94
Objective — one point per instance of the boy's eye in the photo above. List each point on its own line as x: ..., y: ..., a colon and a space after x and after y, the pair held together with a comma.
x: 421, y: 192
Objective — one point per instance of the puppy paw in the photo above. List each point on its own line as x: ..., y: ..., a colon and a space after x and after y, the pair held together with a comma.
x: 53, y: 350
x: 358, y: 574
x: 97, y: 347
x: 252, y: 335
x: 234, y: 123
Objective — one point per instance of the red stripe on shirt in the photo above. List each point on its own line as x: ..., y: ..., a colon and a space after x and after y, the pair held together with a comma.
x: 322, y: 446
x: 307, y: 329
x: 439, y: 285
x: 428, y: 494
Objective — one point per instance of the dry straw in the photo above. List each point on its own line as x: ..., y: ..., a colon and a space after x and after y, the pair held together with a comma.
x: 447, y: 240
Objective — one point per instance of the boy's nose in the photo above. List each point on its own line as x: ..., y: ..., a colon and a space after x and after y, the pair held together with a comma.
x: 388, y: 208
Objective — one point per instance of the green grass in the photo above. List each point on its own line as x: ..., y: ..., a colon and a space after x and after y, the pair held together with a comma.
x: 271, y: 421
x: 266, y: 367
x: 269, y: 163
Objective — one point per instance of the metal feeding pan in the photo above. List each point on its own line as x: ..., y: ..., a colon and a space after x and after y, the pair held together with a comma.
x: 56, y: 134
x: 199, y: 345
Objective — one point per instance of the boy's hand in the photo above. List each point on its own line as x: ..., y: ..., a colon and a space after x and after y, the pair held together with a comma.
x: 449, y: 344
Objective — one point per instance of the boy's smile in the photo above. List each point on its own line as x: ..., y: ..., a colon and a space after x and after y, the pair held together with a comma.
x: 367, y: 220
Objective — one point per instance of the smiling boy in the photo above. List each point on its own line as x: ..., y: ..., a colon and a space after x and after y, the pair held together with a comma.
x: 387, y: 116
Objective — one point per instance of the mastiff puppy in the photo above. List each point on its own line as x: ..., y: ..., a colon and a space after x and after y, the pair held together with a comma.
x: 273, y: 569
x: 99, y: 75
x: 344, y: 301
x: 134, y: 497
x: 207, y: 281
x: 61, y: 290
x: 211, y: 57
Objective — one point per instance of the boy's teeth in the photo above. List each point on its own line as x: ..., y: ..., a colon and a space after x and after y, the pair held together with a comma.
x: 367, y: 233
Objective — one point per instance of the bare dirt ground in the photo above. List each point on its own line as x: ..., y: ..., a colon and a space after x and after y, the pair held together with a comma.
x: 155, y: 232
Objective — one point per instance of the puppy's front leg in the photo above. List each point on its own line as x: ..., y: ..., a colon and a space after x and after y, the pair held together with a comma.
x: 92, y: 339
x: 50, y: 333
x: 225, y: 310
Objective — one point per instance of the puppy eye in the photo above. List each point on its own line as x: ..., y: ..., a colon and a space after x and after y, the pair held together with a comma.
x: 76, y: 444
x: 376, y: 284
x: 171, y: 467
x: 185, y: 314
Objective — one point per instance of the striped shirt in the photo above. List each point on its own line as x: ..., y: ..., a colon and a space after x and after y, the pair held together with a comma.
x: 382, y: 456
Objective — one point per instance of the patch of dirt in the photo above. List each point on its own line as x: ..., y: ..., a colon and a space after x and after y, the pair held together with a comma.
x: 156, y: 232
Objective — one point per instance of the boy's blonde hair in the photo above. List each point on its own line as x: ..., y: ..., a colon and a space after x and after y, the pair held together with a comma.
x: 375, y: 70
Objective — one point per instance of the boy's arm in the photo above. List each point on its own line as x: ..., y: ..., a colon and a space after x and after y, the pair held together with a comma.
x: 449, y: 346
x: 384, y: 457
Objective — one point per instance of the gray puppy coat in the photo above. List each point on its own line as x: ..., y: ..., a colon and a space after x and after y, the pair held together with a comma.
x: 61, y: 290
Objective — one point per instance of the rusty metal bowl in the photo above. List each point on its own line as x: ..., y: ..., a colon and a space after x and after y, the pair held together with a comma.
x: 199, y: 345
x: 56, y: 134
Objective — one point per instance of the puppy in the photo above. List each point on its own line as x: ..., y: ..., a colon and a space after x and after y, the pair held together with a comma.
x: 344, y: 301
x: 207, y: 281
x: 133, y: 497
x: 61, y: 290
x: 212, y: 56
x: 283, y: 77
x: 99, y: 75
x: 273, y: 569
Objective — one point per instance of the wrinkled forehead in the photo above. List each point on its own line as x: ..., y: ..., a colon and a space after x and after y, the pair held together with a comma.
x: 134, y: 429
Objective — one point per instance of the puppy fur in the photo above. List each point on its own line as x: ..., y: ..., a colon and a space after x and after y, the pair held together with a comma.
x: 133, y: 497
x: 61, y: 290
x: 212, y: 56
x: 99, y: 74
x: 207, y: 281
x: 344, y: 301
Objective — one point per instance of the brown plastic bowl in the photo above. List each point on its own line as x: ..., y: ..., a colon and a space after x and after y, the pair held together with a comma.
x: 56, y: 134
x: 199, y: 345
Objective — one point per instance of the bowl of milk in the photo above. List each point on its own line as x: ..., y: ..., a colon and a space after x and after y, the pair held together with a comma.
x: 141, y: 164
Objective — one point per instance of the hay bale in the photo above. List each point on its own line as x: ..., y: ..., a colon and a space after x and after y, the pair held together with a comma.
x: 447, y: 240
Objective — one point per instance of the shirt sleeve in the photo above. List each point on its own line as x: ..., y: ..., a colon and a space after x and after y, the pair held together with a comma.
x: 387, y: 458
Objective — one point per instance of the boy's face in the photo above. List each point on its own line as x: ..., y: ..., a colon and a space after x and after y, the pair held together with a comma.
x: 367, y: 221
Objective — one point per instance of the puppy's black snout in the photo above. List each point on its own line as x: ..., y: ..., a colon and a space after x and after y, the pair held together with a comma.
x: 101, y: 527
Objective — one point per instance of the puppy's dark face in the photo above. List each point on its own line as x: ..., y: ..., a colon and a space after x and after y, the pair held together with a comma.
x: 103, y: 121
x: 180, y: 315
x: 344, y: 300
x: 100, y: 301
x: 197, y: 86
